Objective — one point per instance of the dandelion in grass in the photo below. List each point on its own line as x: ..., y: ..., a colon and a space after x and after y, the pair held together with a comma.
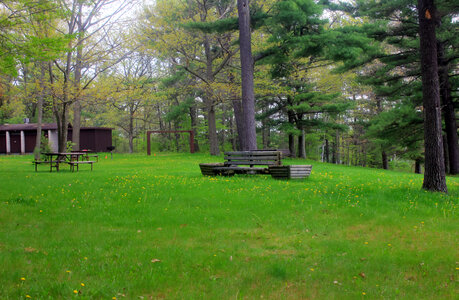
x: 82, y: 284
x: 28, y: 296
x: 75, y: 291
x: 22, y: 278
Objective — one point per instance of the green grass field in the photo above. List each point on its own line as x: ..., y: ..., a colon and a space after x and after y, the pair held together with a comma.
x: 141, y: 227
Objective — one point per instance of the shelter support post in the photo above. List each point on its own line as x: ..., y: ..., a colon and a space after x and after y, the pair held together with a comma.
x: 22, y: 142
x: 8, y: 143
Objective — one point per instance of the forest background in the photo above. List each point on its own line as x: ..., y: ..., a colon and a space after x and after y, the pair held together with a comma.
x: 337, y: 82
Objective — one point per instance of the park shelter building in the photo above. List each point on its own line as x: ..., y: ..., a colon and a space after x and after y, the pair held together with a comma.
x: 21, y: 138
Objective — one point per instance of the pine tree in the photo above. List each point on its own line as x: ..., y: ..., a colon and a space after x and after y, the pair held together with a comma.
x: 434, y: 177
x: 397, y: 71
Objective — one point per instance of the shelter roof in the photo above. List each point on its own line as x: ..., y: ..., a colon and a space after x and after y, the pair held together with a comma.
x: 26, y: 127
x: 46, y: 126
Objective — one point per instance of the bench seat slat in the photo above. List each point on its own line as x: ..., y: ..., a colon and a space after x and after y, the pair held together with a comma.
x: 270, y: 157
x: 253, y: 153
x: 246, y: 162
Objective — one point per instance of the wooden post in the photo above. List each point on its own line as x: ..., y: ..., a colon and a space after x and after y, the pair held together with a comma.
x: 148, y: 143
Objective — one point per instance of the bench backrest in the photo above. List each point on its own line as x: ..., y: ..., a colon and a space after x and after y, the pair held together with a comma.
x: 253, y: 158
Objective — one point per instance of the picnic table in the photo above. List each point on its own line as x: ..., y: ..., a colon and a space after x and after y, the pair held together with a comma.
x: 54, y: 159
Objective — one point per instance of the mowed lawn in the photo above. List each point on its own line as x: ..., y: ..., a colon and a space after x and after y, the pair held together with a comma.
x: 141, y: 227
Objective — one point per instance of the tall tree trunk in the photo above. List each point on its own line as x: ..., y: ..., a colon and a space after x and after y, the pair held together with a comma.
x: 291, y: 137
x: 212, y: 126
x: 232, y: 132
x: 248, y: 96
x: 40, y: 100
x: 385, y: 162
x: 194, y: 125
x: 265, y: 132
x: 446, y: 153
x: 434, y: 176
x: 302, y: 144
x: 131, y: 130
x: 76, y: 83
x: 238, y: 116
x: 449, y: 116
x: 348, y: 153
x: 336, y: 152
x: 209, y: 102
x: 327, y: 151
x: 417, y: 166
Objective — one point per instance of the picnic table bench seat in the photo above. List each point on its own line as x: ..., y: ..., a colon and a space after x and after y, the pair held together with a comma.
x: 78, y: 163
x: 52, y: 164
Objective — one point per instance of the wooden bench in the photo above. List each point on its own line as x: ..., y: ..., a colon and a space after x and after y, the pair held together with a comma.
x: 244, y: 162
x: 52, y: 164
x: 78, y: 163
x: 290, y: 171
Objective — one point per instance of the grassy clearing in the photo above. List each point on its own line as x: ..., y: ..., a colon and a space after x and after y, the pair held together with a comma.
x: 154, y: 227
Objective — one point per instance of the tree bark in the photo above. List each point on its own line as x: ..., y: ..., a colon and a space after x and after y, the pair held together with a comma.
x: 131, y: 130
x: 445, y: 153
x: 385, y: 162
x: 291, y: 137
x: 434, y: 176
x: 77, y: 80
x: 449, y: 116
x: 248, y: 96
x: 209, y: 101
x: 40, y: 100
x: 238, y: 117
x: 417, y: 166
x: 194, y: 125
x: 212, y: 125
x: 265, y: 131
x: 302, y: 144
